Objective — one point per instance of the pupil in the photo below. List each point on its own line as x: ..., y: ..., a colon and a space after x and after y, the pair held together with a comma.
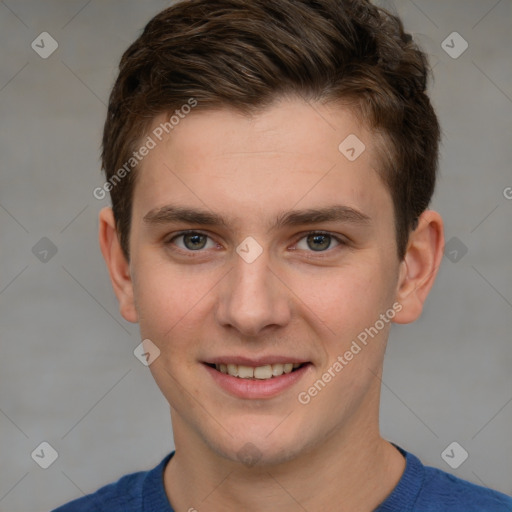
x: 195, y: 241
x: 322, y: 241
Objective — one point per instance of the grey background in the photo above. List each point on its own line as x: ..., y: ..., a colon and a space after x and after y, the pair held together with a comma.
x: 68, y: 375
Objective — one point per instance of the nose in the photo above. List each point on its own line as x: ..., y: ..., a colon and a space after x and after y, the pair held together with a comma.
x: 253, y: 299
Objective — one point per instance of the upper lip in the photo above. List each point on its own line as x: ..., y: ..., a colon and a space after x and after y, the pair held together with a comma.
x: 255, y: 361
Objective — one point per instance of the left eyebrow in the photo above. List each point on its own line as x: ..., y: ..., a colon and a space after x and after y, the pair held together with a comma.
x: 335, y: 213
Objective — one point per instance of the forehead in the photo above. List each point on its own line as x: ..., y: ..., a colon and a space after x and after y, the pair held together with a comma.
x: 292, y: 153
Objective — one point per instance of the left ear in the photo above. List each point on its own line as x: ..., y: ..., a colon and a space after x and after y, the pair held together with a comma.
x: 419, y: 267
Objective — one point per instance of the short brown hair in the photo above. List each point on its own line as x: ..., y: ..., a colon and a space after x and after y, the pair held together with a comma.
x: 244, y: 54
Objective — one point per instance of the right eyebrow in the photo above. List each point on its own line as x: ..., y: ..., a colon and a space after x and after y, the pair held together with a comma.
x: 168, y: 214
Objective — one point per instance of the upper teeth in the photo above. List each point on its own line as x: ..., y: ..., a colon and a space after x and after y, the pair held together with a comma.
x: 259, y: 372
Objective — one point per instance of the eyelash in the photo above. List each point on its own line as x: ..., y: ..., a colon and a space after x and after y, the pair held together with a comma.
x: 318, y: 254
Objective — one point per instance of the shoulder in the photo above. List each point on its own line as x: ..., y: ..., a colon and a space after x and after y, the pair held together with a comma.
x: 131, y: 493
x: 125, y: 494
x: 428, y: 489
x: 443, y: 491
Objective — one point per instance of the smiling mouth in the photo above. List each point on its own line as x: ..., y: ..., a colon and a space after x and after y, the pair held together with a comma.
x: 264, y: 372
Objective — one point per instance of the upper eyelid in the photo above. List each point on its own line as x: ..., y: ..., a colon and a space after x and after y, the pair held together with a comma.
x: 341, y: 240
x: 189, y: 232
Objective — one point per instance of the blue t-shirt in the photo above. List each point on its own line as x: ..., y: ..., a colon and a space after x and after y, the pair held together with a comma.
x: 420, y: 489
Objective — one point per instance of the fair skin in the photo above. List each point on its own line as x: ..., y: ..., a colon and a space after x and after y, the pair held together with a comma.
x: 302, y: 300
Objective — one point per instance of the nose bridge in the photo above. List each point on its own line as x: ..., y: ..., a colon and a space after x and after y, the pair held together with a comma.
x: 252, y: 297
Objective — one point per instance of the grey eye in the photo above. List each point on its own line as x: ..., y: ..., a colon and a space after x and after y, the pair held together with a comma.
x: 194, y: 241
x: 317, y: 242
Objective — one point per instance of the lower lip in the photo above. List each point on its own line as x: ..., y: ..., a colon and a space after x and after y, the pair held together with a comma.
x: 257, y: 388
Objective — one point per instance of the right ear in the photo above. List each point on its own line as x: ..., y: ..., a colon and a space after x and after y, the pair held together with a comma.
x: 117, y: 264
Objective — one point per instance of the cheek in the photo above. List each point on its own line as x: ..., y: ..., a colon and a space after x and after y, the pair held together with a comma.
x: 163, y: 297
x: 173, y: 305
x: 346, y: 299
x: 170, y: 305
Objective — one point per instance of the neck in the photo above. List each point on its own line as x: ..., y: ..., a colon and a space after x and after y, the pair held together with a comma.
x: 345, y: 473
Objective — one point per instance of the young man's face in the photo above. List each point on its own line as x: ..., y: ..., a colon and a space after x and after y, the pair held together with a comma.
x: 211, y: 298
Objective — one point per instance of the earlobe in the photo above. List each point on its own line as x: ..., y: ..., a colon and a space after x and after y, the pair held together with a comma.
x: 118, y: 266
x: 419, y: 267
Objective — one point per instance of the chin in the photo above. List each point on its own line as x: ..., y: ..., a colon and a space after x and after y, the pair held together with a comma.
x: 260, y: 447
x: 254, y: 454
